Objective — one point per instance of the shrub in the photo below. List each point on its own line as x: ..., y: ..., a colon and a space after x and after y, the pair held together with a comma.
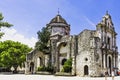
x: 49, y: 69
x: 67, y: 67
x: 68, y: 62
x: 41, y: 68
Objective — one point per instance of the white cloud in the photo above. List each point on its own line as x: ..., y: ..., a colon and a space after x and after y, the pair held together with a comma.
x: 89, y: 21
x: 12, y: 34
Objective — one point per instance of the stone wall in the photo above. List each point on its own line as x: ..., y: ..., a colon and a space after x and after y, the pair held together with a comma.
x: 86, y: 54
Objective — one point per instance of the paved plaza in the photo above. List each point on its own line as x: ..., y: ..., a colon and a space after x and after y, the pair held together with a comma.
x: 49, y: 77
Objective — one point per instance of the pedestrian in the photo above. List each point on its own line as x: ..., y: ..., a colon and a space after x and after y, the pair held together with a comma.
x: 113, y: 74
x: 106, y: 73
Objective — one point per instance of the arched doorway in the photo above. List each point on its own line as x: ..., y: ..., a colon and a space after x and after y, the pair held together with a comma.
x: 31, y: 67
x: 63, y: 61
x: 86, y: 70
x: 109, y: 64
x: 39, y: 61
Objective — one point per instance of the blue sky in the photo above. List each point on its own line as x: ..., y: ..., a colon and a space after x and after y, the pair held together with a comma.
x: 29, y: 16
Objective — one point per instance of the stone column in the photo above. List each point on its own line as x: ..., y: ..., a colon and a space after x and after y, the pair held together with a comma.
x: 46, y: 60
x: 57, y: 60
x: 104, y: 60
x: 53, y: 45
x: 73, y: 66
x: 116, y: 60
x: 26, y: 65
x: 26, y: 68
x: 55, y: 55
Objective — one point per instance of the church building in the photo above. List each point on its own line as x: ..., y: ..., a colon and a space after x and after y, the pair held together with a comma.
x: 92, y: 51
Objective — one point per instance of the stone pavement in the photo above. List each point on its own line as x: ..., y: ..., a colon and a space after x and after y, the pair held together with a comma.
x: 50, y: 77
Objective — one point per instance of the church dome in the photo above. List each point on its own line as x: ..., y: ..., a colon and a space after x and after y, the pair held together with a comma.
x: 58, y: 19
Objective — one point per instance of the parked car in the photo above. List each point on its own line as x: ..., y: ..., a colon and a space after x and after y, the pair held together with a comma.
x: 118, y: 72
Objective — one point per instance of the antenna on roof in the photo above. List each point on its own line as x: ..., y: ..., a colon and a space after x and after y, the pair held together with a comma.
x: 107, y: 12
x: 58, y: 11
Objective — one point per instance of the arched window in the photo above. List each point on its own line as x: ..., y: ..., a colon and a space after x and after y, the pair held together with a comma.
x: 108, y: 42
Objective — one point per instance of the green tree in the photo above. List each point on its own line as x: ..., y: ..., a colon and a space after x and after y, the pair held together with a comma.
x: 12, y: 54
x: 3, y: 24
x: 43, y: 38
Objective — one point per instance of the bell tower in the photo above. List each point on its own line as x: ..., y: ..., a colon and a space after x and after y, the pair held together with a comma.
x: 106, y: 31
x: 107, y: 35
x: 58, y: 27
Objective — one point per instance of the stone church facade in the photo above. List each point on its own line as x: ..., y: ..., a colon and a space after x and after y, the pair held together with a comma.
x: 92, y: 51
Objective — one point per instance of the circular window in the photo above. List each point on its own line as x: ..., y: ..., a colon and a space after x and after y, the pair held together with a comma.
x: 86, y: 59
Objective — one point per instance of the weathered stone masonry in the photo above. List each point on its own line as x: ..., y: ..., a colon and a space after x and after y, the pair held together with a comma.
x: 92, y: 51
